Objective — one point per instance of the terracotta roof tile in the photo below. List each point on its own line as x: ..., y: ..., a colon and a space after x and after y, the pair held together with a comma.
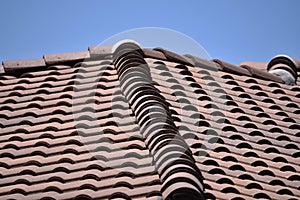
x: 100, y: 51
x: 14, y: 66
x: 173, y: 57
x: 232, y: 68
x: 65, y: 57
x: 262, y: 74
x: 129, y: 123
x: 257, y: 65
x: 203, y: 64
x: 148, y: 53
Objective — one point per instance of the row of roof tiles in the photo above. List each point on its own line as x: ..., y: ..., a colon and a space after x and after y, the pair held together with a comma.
x: 95, y: 52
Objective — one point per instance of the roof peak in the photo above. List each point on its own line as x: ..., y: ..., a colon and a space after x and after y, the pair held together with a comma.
x: 255, y: 69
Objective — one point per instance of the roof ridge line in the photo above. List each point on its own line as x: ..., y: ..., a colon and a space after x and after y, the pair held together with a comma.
x: 17, y: 67
x: 153, y: 116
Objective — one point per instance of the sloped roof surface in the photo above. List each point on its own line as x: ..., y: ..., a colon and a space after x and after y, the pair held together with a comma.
x: 124, y: 122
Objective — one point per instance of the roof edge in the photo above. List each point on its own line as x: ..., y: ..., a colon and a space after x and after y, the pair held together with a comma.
x: 17, y: 67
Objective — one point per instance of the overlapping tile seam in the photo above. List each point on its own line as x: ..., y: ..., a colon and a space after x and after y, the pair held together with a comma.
x: 235, y: 89
x: 172, y: 157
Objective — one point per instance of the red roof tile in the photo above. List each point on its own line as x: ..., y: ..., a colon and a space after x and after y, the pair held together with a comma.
x: 65, y: 57
x: 13, y: 66
x: 129, y: 123
x: 100, y: 51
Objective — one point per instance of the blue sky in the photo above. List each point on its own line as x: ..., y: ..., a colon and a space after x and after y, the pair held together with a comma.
x: 233, y: 31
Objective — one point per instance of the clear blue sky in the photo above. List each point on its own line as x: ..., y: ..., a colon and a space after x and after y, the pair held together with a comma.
x: 234, y: 31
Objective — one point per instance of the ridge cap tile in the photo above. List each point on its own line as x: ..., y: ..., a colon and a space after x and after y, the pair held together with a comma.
x: 136, y: 77
x: 100, y: 51
x: 262, y: 74
x: 172, y: 56
x: 197, y: 61
x: 149, y: 53
x: 65, y: 57
x: 255, y: 64
x: 18, y: 65
x: 286, y: 63
x: 283, y: 59
x: 227, y: 67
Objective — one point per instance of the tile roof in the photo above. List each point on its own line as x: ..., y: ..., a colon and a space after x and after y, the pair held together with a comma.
x: 124, y: 122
